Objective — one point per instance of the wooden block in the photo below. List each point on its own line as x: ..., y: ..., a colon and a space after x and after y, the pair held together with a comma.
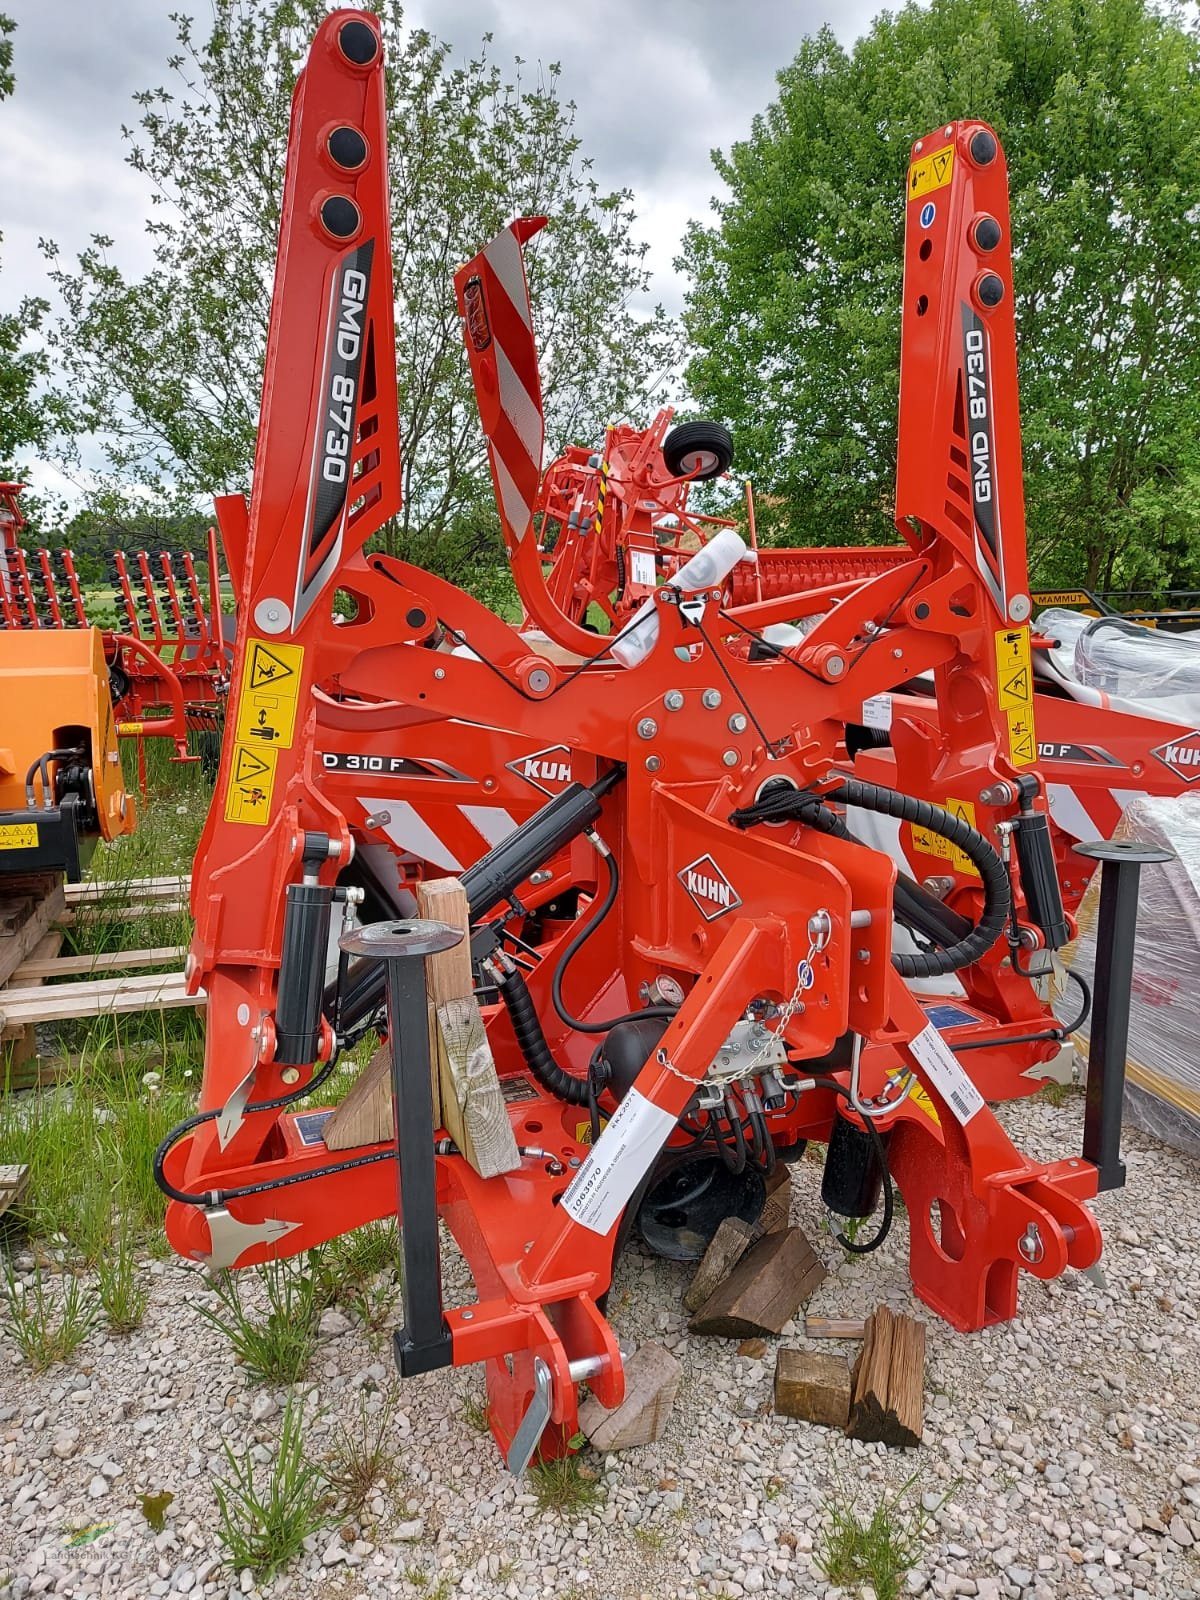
x: 729, y: 1244
x: 21, y: 1067
x: 813, y: 1386
x: 834, y: 1327
x: 765, y: 1289
x: 448, y: 974
x: 777, y: 1209
x: 14, y: 1181
x: 365, y: 1115
x: 888, y: 1383
x: 652, y: 1377
x: 490, y: 1144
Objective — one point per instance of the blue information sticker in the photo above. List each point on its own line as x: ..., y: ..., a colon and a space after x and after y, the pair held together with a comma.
x: 928, y: 212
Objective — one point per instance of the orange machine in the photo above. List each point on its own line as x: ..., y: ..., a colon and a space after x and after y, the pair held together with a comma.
x: 61, y: 785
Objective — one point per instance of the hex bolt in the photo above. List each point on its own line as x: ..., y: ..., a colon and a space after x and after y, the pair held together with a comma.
x: 673, y: 699
x: 730, y: 758
x: 737, y: 722
x: 439, y: 673
x: 647, y: 728
x: 710, y: 699
x: 997, y: 794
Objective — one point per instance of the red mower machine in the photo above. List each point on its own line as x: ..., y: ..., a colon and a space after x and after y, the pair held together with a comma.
x: 675, y: 935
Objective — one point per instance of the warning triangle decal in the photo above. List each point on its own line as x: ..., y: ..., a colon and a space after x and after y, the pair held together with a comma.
x: 266, y: 668
x: 248, y: 766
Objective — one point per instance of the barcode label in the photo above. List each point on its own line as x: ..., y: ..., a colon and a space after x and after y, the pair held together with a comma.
x: 623, y: 1154
x: 949, y: 1079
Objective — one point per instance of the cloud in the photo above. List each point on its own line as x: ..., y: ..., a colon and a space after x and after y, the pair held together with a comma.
x: 656, y: 87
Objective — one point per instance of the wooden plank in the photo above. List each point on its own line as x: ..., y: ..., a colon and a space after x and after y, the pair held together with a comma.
x: 834, y: 1327
x: 448, y: 975
x: 35, y: 923
x: 365, y: 1115
x: 652, y: 1377
x: 471, y: 1079
x: 777, y: 1208
x: 813, y: 1386
x: 20, y: 1050
x: 765, y: 1289
x: 126, y: 913
x: 14, y: 1181
x: 103, y: 997
x: 105, y: 961
x: 888, y: 1383
x: 726, y: 1248
x: 93, y: 889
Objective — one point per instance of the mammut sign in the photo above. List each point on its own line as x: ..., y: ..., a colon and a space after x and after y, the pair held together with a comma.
x: 1182, y: 756
x: 548, y: 770
x: 709, y: 889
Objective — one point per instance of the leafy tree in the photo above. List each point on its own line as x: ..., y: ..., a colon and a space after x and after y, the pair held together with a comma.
x: 170, y: 366
x: 794, y: 303
x: 26, y: 419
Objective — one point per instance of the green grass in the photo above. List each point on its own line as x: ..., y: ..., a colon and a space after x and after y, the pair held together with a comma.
x: 362, y: 1456
x: 1058, y: 1094
x: 266, y: 1514
x: 276, y: 1348
x: 880, y: 1551
x: 122, y: 1294
x: 46, y: 1333
x: 566, y: 1485
x: 475, y: 1414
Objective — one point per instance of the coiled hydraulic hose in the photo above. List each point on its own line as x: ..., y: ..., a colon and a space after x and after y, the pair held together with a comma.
x: 531, y: 1038
x: 784, y: 803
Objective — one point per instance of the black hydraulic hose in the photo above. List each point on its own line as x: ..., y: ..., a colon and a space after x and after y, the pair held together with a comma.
x: 588, y: 926
x: 885, y: 1224
x: 531, y: 1040
x: 996, y: 892
x: 218, y: 1196
x: 782, y: 803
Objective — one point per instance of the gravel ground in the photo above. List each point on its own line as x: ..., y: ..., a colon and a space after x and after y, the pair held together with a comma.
x: 1061, y: 1454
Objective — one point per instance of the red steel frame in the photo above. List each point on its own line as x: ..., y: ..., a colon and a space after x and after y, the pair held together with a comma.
x: 306, y: 685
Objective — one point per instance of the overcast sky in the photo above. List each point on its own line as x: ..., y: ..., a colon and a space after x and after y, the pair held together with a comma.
x: 658, y: 84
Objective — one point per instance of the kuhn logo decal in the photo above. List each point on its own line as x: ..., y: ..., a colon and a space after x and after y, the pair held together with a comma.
x: 1182, y: 756
x: 548, y: 770
x: 710, y: 890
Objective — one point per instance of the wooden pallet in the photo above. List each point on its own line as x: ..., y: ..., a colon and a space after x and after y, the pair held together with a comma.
x: 32, y: 970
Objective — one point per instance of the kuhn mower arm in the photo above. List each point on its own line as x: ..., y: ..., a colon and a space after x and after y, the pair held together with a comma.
x: 674, y: 925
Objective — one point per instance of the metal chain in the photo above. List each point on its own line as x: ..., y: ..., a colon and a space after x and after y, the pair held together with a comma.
x: 819, y: 927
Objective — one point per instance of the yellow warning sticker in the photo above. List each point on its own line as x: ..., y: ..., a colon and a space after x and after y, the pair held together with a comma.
x: 583, y: 1131
x: 932, y: 844
x: 916, y: 1095
x: 1014, y: 669
x: 19, y: 836
x: 1022, y: 740
x: 251, y: 784
x: 270, y: 692
x: 128, y: 729
x: 931, y: 172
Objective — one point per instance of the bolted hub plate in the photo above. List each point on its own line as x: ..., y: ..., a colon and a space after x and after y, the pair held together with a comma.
x: 389, y: 941
x: 1124, y: 850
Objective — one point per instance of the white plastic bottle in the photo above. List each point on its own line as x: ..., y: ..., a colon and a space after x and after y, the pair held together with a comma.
x: 710, y: 566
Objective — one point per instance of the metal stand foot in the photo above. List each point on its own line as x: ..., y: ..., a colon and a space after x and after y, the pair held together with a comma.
x: 1121, y: 861
x: 423, y: 1343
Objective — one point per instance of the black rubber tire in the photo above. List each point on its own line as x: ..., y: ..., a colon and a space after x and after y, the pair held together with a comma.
x: 698, y: 449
